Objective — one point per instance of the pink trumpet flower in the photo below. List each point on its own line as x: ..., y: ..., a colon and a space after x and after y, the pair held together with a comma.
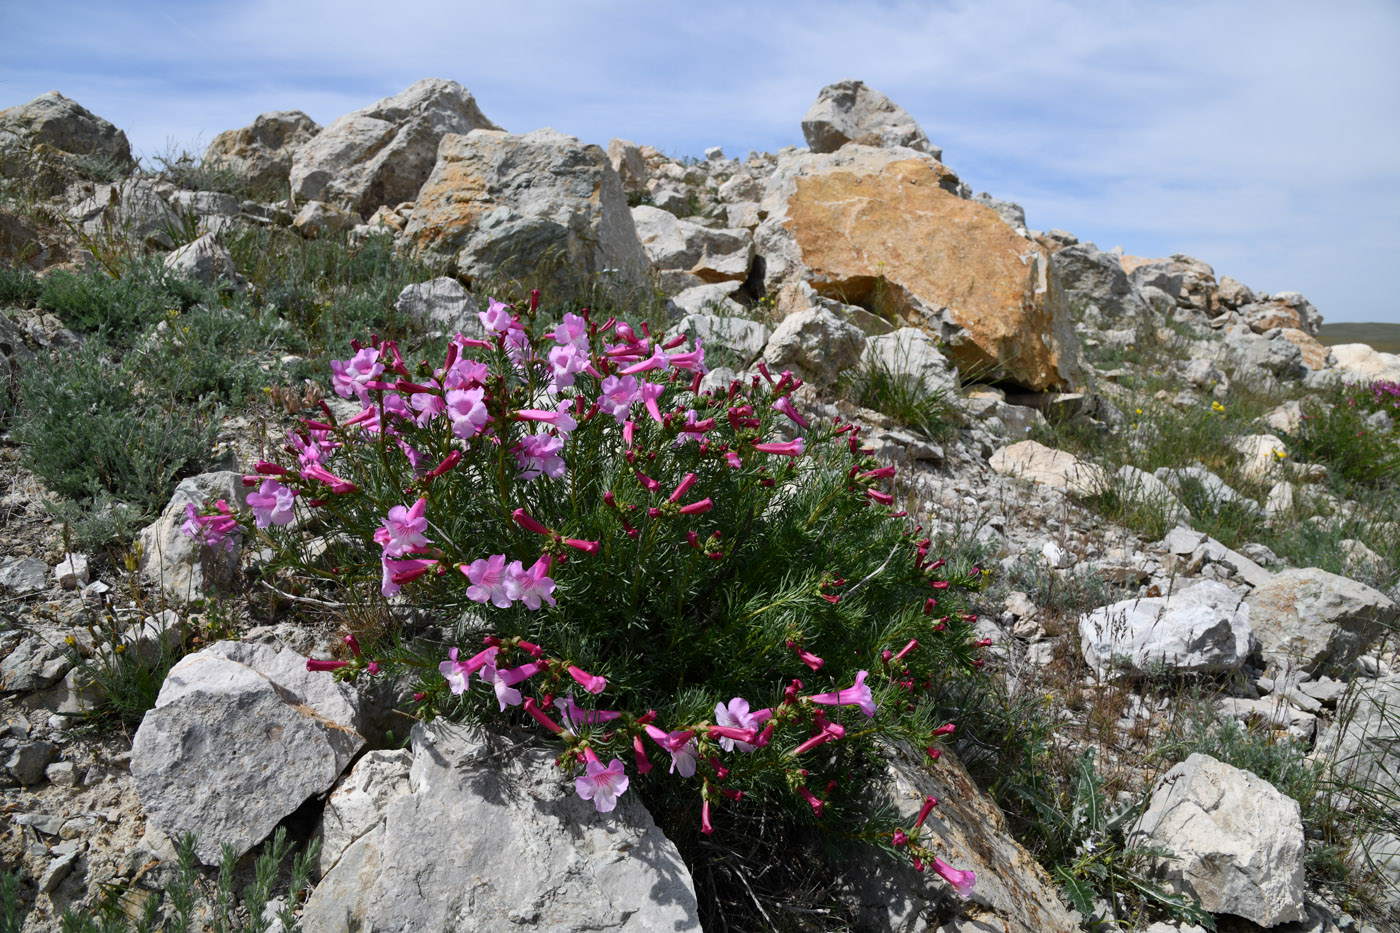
x: 538, y: 715
x: 322, y: 475
x: 962, y: 881
x: 785, y: 406
x: 601, y: 784
x: 315, y: 664
x: 858, y: 694
x: 793, y: 448
x: 593, y: 683
x: 643, y: 762
x: 402, y: 531
x: 816, y: 802
x: 681, y: 745
x: 929, y: 803
x: 706, y: 826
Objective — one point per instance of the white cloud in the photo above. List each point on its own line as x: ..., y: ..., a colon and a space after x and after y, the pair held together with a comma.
x: 1260, y: 136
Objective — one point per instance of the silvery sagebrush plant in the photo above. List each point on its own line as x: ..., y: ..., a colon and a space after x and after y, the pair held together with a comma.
x: 642, y: 565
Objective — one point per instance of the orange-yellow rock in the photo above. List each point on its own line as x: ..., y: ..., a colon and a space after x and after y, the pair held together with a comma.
x: 881, y: 229
x: 1314, y: 353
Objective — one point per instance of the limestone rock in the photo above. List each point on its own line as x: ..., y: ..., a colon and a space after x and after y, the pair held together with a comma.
x: 1234, y: 294
x: 1188, y: 280
x: 1278, y: 357
x: 1262, y: 454
x: 1011, y: 213
x: 240, y: 736
x: 53, y: 120
x: 1092, y: 277
x: 357, y: 804
x: 884, y: 230
x: 910, y: 354
x: 318, y: 219
x: 745, y: 338
x: 1363, y: 746
x: 1034, y: 462
x: 815, y: 344
x: 1358, y: 362
x: 1319, y: 620
x: 1013, y: 894
x: 384, y: 153
x: 627, y: 161
x: 1202, y: 628
x: 541, y: 204
x: 72, y: 572
x: 206, y: 260
x: 28, y: 760
x: 440, y: 304
x: 24, y: 574
x: 486, y: 840
x: 715, y: 255
x: 849, y: 111
x: 134, y: 209
x: 1237, y: 842
x: 262, y: 152
x: 208, y: 211
x: 183, y: 567
x: 1141, y: 487
x: 1212, y: 487
x: 713, y: 299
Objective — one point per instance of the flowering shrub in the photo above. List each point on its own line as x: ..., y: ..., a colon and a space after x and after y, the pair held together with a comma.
x: 699, y: 593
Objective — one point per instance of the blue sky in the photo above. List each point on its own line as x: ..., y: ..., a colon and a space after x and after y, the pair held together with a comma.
x: 1263, y: 138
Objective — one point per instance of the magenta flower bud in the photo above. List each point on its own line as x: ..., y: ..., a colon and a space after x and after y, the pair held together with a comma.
x: 807, y: 657
x: 816, y: 802
x: 315, y: 664
x: 696, y: 508
x: 534, y: 299
x: 821, y: 738
x: 913, y: 643
x: 793, y: 448
x: 945, y: 729
x: 706, y: 826
x: 650, y: 484
x: 643, y: 762
x: 899, y: 838
x: 448, y: 462
x: 529, y: 524
x: 419, y: 697
x: 266, y: 468
x: 883, y: 498
x: 588, y: 547
x: 629, y: 429
x: 929, y: 803
x: 353, y: 645
x: 372, y: 667
x: 591, y: 682
x: 533, y: 709
x: 683, y: 487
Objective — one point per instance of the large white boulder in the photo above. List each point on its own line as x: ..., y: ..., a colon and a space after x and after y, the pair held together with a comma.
x: 383, y: 153
x: 1201, y: 628
x: 1318, y: 620
x: 816, y: 345
x: 241, y: 736
x: 849, y: 111
x: 490, y: 836
x: 1236, y: 842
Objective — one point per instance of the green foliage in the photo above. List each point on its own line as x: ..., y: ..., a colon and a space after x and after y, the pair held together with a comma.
x: 133, y: 445
x: 1335, y: 433
x: 904, y: 397
x: 123, y: 307
x: 1068, y: 594
x: 19, y: 286
x: 11, y: 919
x: 125, y: 671
x: 188, y: 171
x: 789, y: 551
x: 176, y: 910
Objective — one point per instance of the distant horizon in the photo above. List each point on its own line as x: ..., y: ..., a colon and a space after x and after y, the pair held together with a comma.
x: 1251, y: 143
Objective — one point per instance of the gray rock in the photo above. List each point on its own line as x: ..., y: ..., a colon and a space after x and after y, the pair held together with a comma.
x: 744, y: 337
x: 1362, y: 747
x: 627, y: 161
x: 1204, y: 627
x: 132, y: 210
x: 442, y: 305
x: 54, y: 120
x: 1237, y: 842
x: 37, y: 662
x: 72, y: 571
x: 1309, y: 317
x: 715, y: 255
x: 848, y: 111
x: 262, y: 152
x: 207, y: 261
x: 357, y: 804
x: 910, y: 355
x: 1319, y: 620
x: 491, y: 837
x: 1013, y: 894
x: 1009, y: 211
x: 1277, y: 357
x: 541, y: 204
x: 1093, y: 277
x: 1142, y: 488
x: 24, y: 575
x: 384, y: 153
x: 1274, y: 712
x: 318, y: 219
x: 714, y: 299
x: 240, y: 736
x: 210, y: 211
x: 816, y: 345
x: 1215, y: 489
x: 1161, y: 303
x: 28, y: 761
x: 57, y: 871
x: 1204, y: 374
x: 183, y: 567
x: 1058, y: 469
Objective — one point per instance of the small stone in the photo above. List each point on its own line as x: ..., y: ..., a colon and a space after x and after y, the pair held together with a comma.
x: 45, y: 823
x: 58, y: 870
x: 24, y: 574
x: 61, y: 773
x: 72, y: 571
x: 28, y: 759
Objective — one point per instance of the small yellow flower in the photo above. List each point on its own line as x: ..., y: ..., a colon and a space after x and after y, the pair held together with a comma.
x: 1216, y: 406
x: 70, y: 640
x: 120, y: 649
x: 1139, y: 411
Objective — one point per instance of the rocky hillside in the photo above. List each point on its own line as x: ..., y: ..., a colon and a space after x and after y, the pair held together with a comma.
x: 1184, y: 715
